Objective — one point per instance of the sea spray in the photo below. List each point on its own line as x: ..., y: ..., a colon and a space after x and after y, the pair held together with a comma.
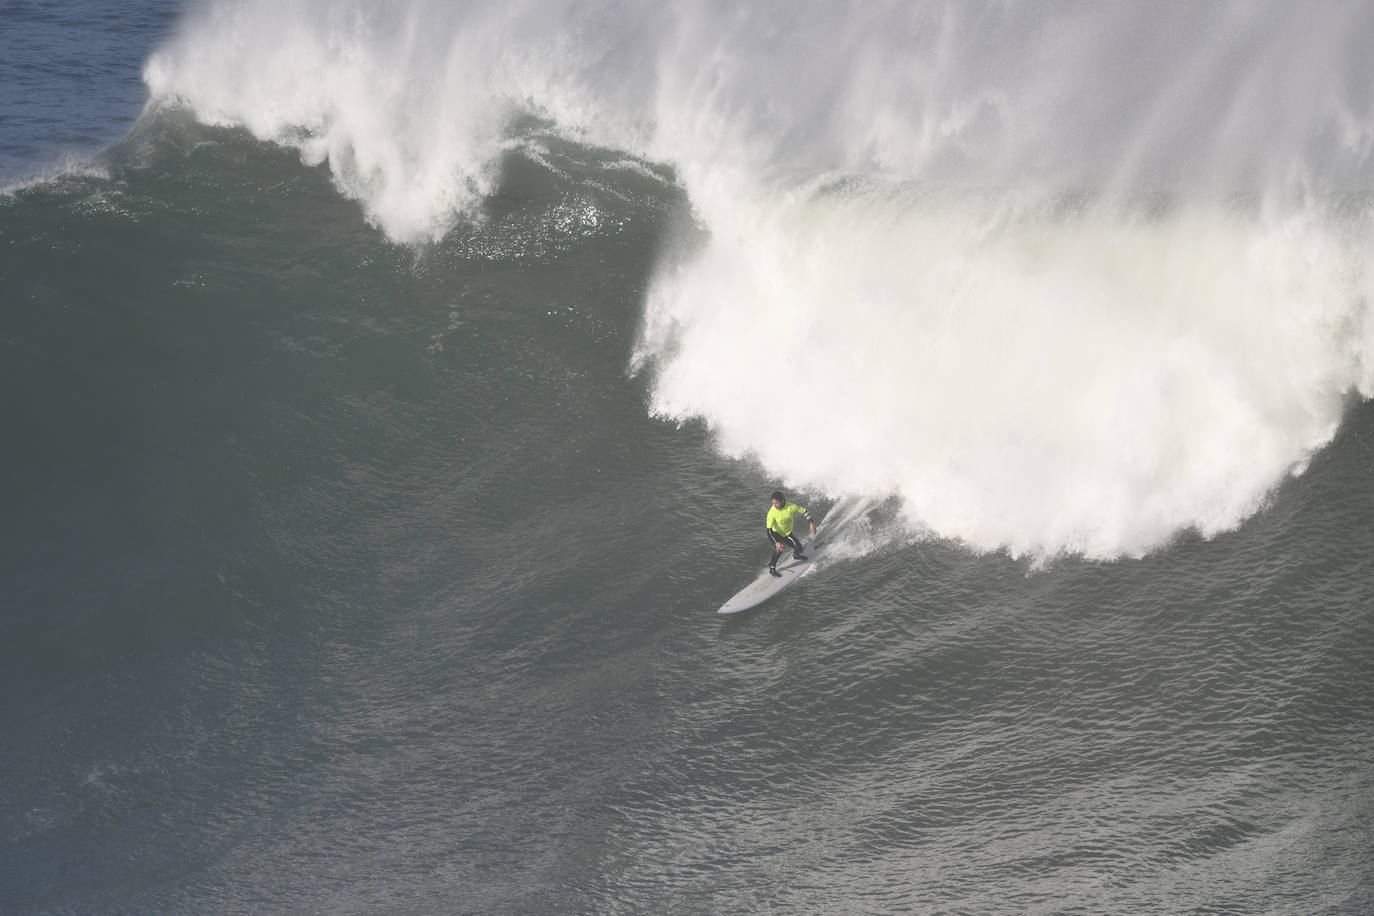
x: 1063, y: 278
x: 411, y: 103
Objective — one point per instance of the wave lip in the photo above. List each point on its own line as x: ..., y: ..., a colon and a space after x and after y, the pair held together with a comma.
x: 411, y: 102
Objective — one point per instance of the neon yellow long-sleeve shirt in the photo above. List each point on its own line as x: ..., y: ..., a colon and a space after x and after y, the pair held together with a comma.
x: 782, y: 520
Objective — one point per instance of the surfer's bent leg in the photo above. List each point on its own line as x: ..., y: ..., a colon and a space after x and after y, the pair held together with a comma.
x: 777, y: 541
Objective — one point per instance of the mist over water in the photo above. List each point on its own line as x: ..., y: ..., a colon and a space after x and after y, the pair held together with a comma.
x: 1064, y: 277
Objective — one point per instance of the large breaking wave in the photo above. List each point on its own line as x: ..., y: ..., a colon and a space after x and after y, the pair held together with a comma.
x: 1063, y: 277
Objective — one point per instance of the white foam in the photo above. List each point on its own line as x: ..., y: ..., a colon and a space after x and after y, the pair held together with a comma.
x: 409, y: 102
x: 67, y: 166
x: 883, y: 190
x: 1090, y: 384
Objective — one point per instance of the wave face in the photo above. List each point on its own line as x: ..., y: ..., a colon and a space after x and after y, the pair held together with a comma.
x: 1065, y: 279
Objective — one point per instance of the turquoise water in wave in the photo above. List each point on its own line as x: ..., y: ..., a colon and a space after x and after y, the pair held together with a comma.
x: 343, y: 575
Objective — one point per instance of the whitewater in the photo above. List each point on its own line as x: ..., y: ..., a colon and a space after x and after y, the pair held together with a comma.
x: 1063, y: 279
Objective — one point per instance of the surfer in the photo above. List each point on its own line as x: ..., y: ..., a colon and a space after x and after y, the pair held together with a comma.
x: 779, y: 525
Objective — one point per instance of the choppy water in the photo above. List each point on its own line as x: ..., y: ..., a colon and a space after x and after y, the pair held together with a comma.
x: 347, y: 575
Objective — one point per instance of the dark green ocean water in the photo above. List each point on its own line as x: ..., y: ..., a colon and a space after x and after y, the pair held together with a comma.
x: 341, y: 576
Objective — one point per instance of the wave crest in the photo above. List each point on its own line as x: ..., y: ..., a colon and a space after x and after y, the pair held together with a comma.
x: 932, y: 264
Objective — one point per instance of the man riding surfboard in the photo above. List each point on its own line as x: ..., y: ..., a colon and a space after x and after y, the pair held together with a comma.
x: 779, y: 525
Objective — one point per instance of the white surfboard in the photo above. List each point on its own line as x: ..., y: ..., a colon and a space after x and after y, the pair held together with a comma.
x: 768, y: 585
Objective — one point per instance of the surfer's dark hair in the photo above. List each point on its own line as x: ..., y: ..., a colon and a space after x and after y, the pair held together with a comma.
x: 777, y: 494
